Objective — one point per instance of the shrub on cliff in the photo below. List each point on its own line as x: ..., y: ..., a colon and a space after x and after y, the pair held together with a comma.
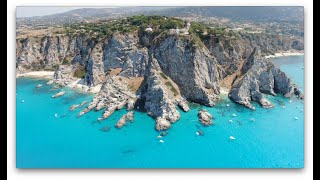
x: 79, y: 72
x: 174, y: 90
x: 65, y: 61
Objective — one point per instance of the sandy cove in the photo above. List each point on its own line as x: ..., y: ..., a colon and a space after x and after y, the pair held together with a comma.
x: 77, y: 84
x: 285, y: 53
x: 37, y: 74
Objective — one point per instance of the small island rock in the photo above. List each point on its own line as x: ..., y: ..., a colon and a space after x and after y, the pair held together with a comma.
x: 61, y: 93
x: 205, y: 118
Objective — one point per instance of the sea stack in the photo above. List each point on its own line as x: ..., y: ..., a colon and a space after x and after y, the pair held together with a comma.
x: 205, y: 118
x: 61, y: 93
x: 123, y: 120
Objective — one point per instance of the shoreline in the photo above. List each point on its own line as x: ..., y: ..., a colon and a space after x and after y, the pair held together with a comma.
x: 224, y: 91
x: 48, y: 75
x: 285, y: 53
x: 37, y: 74
x: 84, y: 88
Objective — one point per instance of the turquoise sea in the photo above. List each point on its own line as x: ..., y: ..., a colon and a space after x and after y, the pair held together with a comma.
x: 46, y: 138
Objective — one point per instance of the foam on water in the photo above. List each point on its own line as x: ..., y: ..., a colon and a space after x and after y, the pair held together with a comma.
x: 49, y: 135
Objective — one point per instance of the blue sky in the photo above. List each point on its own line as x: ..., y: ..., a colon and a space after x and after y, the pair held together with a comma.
x: 40, y: 11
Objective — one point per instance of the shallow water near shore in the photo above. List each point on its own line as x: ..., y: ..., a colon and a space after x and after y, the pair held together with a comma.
x: 51, y: 136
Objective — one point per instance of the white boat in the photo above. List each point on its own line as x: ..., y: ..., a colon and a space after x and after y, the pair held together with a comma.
x: 162, y: 141
x: 159, y: 137
x: 39, y: 86
x: 232, y: 138
x: 228, y: 105
x: 296, y: 118
x: 230, y: 121
x: 234, y: 115
x: 197, y: 133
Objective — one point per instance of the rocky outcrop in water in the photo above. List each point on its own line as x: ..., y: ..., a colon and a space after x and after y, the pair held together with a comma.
x: 162, y: 124
x: 130, y: 104
x: 61, y: 93
x: 260, y: 76
x: 159, y: 100
x: 205, y: 118
x: 298, y: 93
x: 83, y: 103
x: 73, y: 107
x: 123, y: 120
x: 183, y: 104
x: 114, y: 95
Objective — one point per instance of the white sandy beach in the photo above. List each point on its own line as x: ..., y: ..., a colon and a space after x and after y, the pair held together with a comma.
x: 37, y: 74
x: 285, y: 53
x: 77, y: 84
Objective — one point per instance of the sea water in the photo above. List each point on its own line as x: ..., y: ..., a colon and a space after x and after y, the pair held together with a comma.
x: 48, y: 135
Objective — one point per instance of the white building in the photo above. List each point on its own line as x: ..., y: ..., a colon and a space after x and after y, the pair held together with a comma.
x: 174, y: 31
x: 149, y: 29
x: 184, y: 30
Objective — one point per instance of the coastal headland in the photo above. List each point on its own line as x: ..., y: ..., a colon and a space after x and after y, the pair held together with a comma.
x: 160, y: 63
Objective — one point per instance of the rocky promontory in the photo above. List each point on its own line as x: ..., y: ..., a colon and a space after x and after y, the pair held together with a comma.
x: 147, y: 64
x: 123, y: 120
x: 260, y: 76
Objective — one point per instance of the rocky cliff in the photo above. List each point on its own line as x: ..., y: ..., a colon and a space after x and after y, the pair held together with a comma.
x: 161, y: 71
x: 196, y: 72
x: 259, y: 76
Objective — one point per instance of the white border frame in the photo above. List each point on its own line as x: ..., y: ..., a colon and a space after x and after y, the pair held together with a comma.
x: 141, y: 174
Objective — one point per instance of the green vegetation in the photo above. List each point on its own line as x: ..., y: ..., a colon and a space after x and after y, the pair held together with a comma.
x: 55, y: 67
x: 160, y: 36
x: 160, y: 25
x: 198, y: 28
x: 105, y: 29
x: 163, y: 75
x: 218, y: 31
x: 65, y: 61
x: 80, y: 72
x: 101, y: 29
x: 174, y: 90
x: 204, y: 32
x: 196, y: 41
